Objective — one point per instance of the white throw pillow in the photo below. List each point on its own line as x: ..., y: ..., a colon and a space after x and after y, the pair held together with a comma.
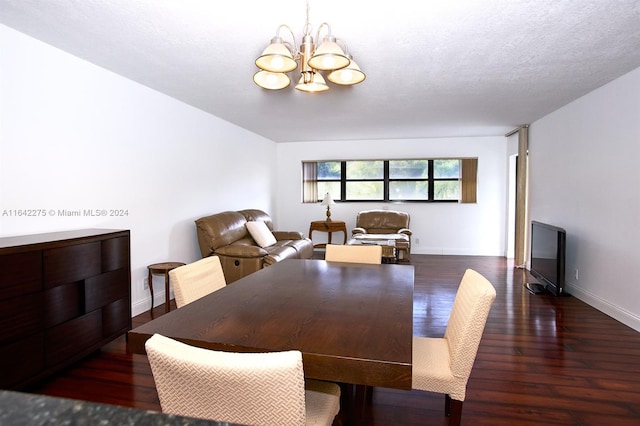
x: 261, y: 233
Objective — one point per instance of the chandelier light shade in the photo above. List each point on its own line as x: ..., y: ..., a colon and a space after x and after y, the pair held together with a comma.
x: 328, y: 56
x: 281, y: 57
x: 312, y: 82
x: 271, y: 80
x: 349, y: 75
x: 276, y: 57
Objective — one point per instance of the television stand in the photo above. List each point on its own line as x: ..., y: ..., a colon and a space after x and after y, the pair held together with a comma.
x: 536, y: 288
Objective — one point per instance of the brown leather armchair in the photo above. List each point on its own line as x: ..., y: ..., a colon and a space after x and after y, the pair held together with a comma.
x: 376, y: 225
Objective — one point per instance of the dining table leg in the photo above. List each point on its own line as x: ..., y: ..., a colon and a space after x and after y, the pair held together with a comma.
x: 354, y: 401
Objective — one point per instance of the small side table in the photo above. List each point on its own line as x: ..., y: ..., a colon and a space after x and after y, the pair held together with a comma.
x: 329, y: 227
x: 162, y: 269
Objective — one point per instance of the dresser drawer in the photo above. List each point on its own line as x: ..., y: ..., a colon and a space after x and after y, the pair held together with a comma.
x: 116, y: 317
x: 21, y: 274
x: 68, y: 339
x: 115, y: 254
x: 21, y: 359
x: 106, y: 288
x: 20, y: 317
x: 63, y: 303
x: 72, y: 263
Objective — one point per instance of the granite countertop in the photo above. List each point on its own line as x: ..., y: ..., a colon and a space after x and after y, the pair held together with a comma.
x: 17, y: 409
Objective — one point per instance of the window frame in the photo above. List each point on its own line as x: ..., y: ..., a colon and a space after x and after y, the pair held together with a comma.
x: 386, y: 181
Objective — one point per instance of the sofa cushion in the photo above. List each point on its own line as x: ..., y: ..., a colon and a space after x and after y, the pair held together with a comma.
x: 261, y: 234
x: 278, y: 253
x: 381, y: 237
x: 303, y: 249
x: 288, y: 235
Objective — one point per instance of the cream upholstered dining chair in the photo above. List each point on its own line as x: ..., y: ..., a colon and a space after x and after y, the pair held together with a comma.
x: 354, y: 254
x: 443, y: 365
x: 246, y: 388
x: 197, y: 279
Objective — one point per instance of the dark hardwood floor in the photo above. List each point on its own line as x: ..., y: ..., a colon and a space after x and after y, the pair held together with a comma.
x: 542, y: 359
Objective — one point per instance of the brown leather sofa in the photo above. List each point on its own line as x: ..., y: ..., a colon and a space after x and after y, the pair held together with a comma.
x: 225, y: 235
x: 374, y: 225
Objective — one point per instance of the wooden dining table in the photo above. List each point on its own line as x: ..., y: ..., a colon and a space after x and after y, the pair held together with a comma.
x: 353, y: 323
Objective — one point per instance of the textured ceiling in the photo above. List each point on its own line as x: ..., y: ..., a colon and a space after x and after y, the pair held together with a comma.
x: 434, y: 68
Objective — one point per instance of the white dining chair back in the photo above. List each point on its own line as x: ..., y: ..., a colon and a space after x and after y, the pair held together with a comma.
x: 245, y: 388
x: 195, y: 280
x: 444, y: 364
x: 371, y: 254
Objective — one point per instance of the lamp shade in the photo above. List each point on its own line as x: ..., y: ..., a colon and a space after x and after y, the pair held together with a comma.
x: 328, y: 56
x: 271, y: 80
x: 347, y: 76
x: 327, y: 200
x: 317, y: 84
x: 276, y: 58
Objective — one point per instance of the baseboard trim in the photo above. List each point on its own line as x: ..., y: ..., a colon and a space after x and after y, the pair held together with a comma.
x: 614, y: 311
x: 451, y: 252
x: 144, y: 305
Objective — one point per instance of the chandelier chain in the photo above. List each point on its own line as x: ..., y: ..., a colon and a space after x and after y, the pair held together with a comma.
x: 307, y: 25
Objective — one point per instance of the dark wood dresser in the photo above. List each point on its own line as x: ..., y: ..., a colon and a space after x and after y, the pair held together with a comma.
x: 63, y: 295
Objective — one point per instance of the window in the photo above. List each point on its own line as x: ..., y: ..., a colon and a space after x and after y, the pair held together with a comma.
x: 364, y: 180
x: 329, y: 173
x: 418, y: 180
x: 446, y: 179
x: 409, y: 180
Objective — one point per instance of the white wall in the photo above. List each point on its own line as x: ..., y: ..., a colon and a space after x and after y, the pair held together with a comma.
x: 74, y: 136
x: 584, y: 177
x: 470, y: 229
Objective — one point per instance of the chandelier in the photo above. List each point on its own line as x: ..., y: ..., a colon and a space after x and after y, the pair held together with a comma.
x: 281, y: 57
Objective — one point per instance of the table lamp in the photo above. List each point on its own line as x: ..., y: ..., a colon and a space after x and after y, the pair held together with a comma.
x: 328, y: 201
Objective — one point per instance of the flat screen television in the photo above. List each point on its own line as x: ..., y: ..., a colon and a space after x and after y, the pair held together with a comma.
x: 548, y: 251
